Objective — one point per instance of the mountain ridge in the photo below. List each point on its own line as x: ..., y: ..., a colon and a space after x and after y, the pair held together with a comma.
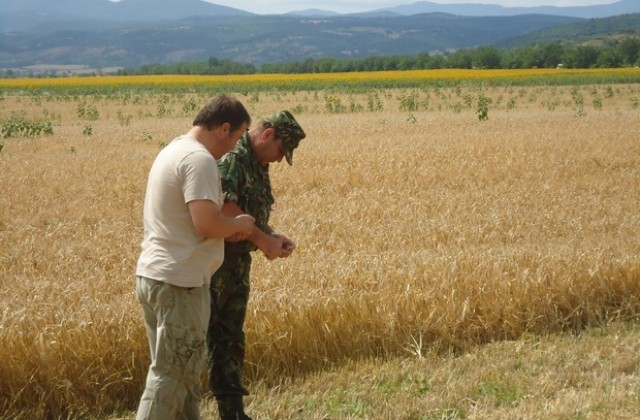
x: 63, y: 36
x: 475, y: 9
x: 260, y: 39
x: 122, y: 11
x: 168, y: 10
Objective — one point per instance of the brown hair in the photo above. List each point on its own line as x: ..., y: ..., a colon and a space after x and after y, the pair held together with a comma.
x: 223, y: 109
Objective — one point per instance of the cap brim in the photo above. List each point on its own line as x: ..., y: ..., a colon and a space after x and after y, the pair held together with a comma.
x: 289, y: 156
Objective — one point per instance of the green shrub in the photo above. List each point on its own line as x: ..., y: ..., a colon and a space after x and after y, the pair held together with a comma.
x: 483, y: 107
x: 18, y: 125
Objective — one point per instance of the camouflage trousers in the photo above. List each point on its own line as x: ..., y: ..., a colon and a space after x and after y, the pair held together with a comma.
x: 225, y: 336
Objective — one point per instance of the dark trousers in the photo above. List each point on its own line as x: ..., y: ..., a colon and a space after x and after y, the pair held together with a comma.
x: 225, y: 336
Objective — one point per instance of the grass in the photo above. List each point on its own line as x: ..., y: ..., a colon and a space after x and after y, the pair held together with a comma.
x: 447, y: 266
x: 590, y: 375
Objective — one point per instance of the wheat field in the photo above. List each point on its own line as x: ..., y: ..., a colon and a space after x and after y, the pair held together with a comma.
x: 428, y: 224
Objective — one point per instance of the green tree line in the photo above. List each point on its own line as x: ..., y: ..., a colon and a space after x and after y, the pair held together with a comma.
x: 625, y: 53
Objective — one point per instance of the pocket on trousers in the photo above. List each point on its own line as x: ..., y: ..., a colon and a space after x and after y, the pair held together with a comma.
x: 184, y: 353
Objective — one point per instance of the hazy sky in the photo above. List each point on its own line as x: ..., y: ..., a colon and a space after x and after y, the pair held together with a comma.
x: 350, y: 6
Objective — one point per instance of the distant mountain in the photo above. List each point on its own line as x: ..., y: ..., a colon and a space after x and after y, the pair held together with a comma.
x: 592, y: 31
x: 473, y: 9
x: 132, y: 33
x: 19, y: 15
x: 262, y: 39
x: 313, y: 13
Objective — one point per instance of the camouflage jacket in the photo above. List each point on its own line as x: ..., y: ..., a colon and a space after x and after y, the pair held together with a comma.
x: 246, y: 182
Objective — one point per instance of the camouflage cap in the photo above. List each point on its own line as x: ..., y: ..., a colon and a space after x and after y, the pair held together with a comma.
x: 288, y: 129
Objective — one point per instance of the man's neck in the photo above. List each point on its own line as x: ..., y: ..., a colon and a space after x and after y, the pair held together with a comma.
x: 206, y: 138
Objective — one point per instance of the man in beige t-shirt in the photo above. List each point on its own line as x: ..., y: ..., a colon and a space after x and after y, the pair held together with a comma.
x: 183, y: 246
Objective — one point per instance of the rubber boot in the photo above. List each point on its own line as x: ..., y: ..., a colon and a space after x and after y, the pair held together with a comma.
x: 230, y: 407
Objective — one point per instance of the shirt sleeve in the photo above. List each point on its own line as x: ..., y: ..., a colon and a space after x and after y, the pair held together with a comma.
x: 232, y: 175
x: 200, y: 178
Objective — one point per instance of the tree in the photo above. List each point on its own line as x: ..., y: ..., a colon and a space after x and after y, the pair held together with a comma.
x: 512, y: 60
x: 532, y: 57
x: 461, y: 59
x: 486, y: 58
x: 609, y: 59
x: 629, y: 51
x: 436, y: 62
x: 582, y: 57
x: 551, y: 55
x: 423, y: 61
x: 407, y: 62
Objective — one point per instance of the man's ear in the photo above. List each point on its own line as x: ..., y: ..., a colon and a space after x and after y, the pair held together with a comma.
x: 226, y: 128
x: 268, y: 132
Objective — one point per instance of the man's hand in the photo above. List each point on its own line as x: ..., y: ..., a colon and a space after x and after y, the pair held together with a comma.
x: 231, y: 209
x: 271, y: 246
x: 288, y: 246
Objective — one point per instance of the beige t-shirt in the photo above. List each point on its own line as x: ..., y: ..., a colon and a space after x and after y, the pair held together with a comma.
x: 172, y: 252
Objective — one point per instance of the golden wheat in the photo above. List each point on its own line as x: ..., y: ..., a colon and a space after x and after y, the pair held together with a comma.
x: 419, y: 228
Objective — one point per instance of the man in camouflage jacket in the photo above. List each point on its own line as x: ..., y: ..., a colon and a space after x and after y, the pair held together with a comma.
x: 247, y: 189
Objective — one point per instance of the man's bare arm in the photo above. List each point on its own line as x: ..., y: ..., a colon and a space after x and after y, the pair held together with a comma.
x: 270, y: 245
x: 210, y: 222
